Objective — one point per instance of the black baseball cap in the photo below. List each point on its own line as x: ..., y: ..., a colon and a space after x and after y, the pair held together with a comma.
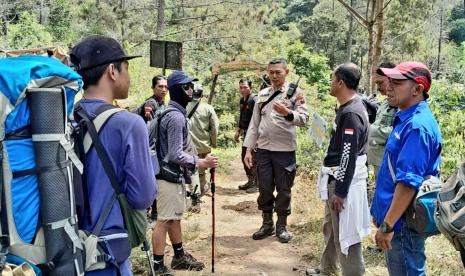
x: 179, y: 77
x: 96, y: 50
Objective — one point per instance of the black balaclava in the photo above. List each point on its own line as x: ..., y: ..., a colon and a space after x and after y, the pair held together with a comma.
x: 178, y: 95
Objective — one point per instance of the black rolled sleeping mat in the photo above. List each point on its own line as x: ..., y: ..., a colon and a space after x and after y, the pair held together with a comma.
x: 47, y: 117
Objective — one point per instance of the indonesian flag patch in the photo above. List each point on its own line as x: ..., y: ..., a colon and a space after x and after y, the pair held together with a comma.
x: 349, y: 131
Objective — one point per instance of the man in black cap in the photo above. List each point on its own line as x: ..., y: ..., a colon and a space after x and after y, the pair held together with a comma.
x: 103, y: 66
x: 177, y: 165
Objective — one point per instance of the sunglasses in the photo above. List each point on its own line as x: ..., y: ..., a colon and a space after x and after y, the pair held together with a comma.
x: 187, y: 86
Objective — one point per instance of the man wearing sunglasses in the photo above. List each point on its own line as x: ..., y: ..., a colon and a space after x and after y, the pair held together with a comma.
x: 174, y: 149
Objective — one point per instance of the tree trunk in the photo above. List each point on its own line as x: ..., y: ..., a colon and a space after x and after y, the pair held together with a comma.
x: 375, y: 10
x: 123, y: 30
x: 160, y: 18
x: 378, y: 42
x: 4, y: 20
x: 440, y: 37
x: 41, y: 10
x: 349, y: 34
x: 371, y: 34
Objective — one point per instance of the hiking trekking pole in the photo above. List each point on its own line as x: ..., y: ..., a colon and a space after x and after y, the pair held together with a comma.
x: 146, y: 247
x: 212, y: 188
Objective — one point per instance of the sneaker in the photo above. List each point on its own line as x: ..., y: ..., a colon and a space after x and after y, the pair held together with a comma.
x: 187, y: 262
x: 251, y: 190
x: 163, y: 271
x: 312, y: 271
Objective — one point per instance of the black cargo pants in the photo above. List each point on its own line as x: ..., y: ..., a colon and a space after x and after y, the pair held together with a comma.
x: 275, y: 170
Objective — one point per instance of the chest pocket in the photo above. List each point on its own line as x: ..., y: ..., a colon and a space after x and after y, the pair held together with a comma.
x: 387, y: 120
x: 393, y: 144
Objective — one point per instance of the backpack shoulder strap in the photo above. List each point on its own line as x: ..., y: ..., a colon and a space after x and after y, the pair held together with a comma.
x: 4, y: 230
x: 275, y: 94
x: 193, y: 110
x: 101, y: 117
x: 107, y: 166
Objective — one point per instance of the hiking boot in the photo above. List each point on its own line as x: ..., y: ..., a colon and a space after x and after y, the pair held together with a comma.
x: 281, y: 232
x: 163, y: 271
x: 246, y: 186
x: 266, y: 229
x: 187, y: 262
x: 251, y: 190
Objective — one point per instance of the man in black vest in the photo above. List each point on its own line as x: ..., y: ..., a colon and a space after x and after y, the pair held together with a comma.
x: 247, y: 104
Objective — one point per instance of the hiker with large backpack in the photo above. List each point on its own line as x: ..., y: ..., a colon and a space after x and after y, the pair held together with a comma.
x: 176, y: 166
x: 411, y: 160
x: 38, y: 215
x: 118, y: 170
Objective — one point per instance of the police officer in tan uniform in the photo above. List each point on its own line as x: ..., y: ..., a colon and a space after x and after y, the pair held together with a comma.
x: 273, y: 132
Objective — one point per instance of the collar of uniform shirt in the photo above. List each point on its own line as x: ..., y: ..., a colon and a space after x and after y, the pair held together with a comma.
x: 283, y: 88
x: 405, y: 114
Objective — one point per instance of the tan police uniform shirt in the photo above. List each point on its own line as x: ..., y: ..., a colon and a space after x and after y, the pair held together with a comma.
x: 270, y: 131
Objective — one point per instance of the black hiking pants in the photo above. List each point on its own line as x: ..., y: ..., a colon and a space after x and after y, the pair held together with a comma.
x: 275, y: 170
x: 252, y: 172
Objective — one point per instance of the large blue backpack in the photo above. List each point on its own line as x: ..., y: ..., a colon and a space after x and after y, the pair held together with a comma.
x: 37, y: 201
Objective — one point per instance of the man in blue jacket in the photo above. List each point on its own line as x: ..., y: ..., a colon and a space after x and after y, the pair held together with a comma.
x: 413, y: 149
x: 104, y: 67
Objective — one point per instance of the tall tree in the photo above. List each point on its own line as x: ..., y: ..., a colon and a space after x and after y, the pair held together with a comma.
x: 374, y: 24
x: 160, y: 18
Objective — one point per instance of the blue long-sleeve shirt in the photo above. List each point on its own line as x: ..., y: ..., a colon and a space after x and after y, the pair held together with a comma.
x: 414, y: 147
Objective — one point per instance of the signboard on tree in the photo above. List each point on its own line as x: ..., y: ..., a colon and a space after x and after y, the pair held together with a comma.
x: 166, y: 54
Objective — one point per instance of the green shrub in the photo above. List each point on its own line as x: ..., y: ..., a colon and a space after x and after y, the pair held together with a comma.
x: 447, y: 102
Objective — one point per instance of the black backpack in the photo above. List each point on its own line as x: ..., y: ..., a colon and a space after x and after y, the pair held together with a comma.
x: 371, y: 106
x: 166, y: 170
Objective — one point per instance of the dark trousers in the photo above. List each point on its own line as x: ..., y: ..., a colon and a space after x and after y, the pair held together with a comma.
x: 252, y: 172
x: 275, y: 170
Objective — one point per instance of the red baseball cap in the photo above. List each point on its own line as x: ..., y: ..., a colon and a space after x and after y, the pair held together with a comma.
x: 410, y: 70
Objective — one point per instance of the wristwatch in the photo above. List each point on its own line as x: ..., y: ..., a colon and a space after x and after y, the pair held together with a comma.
x: 289, y: 116
x: 385, y: 228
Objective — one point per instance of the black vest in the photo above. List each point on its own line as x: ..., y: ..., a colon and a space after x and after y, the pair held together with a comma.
x: 246, y: 111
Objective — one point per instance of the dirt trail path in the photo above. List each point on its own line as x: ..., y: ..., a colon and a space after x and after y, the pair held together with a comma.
x: 237, y: 218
